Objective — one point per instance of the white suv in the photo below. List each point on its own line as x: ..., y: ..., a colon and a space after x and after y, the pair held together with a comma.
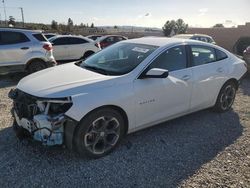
x: 24, y: 50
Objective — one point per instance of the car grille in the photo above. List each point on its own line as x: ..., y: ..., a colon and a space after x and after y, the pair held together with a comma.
x: 24, y: 104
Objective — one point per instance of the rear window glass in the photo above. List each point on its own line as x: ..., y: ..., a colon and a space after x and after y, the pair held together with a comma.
x: 220, y: 55
x: 202, y: 55
x: 10, y: 37
x: 40, y: 37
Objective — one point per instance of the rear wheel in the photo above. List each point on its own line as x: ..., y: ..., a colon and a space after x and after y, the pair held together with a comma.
x: 36, y: 65
x: 99, y: 133
x: 226, y: 97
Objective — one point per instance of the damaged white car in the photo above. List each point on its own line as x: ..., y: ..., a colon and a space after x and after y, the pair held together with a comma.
x: 134, y: 84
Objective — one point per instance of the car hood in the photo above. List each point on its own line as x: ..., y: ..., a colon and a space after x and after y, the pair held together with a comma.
x: 63, y: 81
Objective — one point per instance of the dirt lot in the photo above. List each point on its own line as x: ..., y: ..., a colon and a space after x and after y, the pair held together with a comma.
x: 204, y: 149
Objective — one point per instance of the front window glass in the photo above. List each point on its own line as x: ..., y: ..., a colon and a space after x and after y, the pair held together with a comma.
x: 171, y: 60
x: 118, y: 59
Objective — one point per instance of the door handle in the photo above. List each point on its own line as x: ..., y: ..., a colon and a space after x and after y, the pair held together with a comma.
x: 220, y: 70
x: 24, y: 48
x: 186, y: 77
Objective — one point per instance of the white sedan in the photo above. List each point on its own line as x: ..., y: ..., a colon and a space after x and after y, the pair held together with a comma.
x: 69, y: 47
x: 134, y: 84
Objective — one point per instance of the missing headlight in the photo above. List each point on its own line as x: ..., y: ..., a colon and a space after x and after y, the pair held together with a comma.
x: 58, y: 108
x: 54, y: 106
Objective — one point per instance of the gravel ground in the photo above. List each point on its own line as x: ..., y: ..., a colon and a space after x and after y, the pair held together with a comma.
x: 204, y: 149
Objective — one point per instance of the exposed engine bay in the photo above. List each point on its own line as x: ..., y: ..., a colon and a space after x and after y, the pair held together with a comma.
x: 43, y: 118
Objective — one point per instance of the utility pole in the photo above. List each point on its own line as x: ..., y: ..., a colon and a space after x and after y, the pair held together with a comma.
x: 22, y: 15
x: 5, y: 15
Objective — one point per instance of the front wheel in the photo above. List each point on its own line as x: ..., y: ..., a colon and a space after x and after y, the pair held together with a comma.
x: 226, y: 97
x: 99, y: 133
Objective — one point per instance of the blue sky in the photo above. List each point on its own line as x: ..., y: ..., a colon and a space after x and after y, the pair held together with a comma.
x: 149, y: 13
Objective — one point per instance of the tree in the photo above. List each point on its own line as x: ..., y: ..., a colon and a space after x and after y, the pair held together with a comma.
x: 92, y: 25
x: 12, y: 21
x: 180, y: 27
x: 169, y: 27
x: 115, y: 27
x: 218, y: 25
x: 44, y: 27
x: 174, y: 27
x: 54, y: 25
x: 70, y: 24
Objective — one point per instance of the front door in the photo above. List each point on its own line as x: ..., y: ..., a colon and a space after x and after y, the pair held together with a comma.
x: 158, y: 99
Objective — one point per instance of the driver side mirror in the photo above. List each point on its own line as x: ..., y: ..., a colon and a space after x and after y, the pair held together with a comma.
x: 155, y: 73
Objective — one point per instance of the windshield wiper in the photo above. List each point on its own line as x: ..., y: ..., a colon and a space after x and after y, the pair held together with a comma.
x: 96, y: 69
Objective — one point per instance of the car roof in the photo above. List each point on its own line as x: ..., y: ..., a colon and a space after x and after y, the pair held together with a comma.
x: 157, y: 41
x: 167, y: 41
x: 19, y: 30
x: 191, y: 35
x: 72, y: 36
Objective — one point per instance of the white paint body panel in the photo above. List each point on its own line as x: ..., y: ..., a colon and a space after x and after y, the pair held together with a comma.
x: 145, y: 101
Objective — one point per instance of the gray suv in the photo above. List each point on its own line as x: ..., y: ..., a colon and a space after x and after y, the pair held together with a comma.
x: 24, y: 50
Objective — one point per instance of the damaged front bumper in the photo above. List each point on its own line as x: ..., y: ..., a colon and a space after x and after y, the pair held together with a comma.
x: 43, y: 119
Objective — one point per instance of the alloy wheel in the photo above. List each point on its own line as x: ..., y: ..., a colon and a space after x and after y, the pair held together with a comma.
x: 227, y: 97
x: 102, y: 135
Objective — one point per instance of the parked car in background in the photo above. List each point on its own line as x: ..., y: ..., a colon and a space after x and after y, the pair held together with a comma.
x: 246, y: 57
x: 69, y: 47
x: 108, y: 40
x: 200, y: 37
x: 241, y: 45
x: 24, y: 50
x: 94, y: 37
x: 131, y: 85
x: 49, y: 35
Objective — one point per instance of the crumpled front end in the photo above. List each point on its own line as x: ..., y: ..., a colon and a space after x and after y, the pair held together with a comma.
x: 43, y: 118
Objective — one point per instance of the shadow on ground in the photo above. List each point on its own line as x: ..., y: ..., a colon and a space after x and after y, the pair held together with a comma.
x: 12, y: 79
x: 161, y: 156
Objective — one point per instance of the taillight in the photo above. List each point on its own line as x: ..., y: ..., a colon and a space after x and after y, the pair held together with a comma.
x: 97, y: 45
x: 47, y: 47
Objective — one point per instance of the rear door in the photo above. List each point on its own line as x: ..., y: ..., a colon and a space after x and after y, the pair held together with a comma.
x: 77, y: 47
x: 209, y: 71
x: 14, y: 46
x: 61, y: 48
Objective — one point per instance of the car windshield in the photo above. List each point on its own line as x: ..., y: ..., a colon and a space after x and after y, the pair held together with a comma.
x: 118, y: 59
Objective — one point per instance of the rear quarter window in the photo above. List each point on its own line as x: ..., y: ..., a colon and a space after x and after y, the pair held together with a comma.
x: 40, y: 37
x: 220, y: 55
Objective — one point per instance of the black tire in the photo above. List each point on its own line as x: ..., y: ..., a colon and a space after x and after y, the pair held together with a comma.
x: 36, y: 65
x: 226, y: 97
x: 87, y: 54
x: 99, y: 133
